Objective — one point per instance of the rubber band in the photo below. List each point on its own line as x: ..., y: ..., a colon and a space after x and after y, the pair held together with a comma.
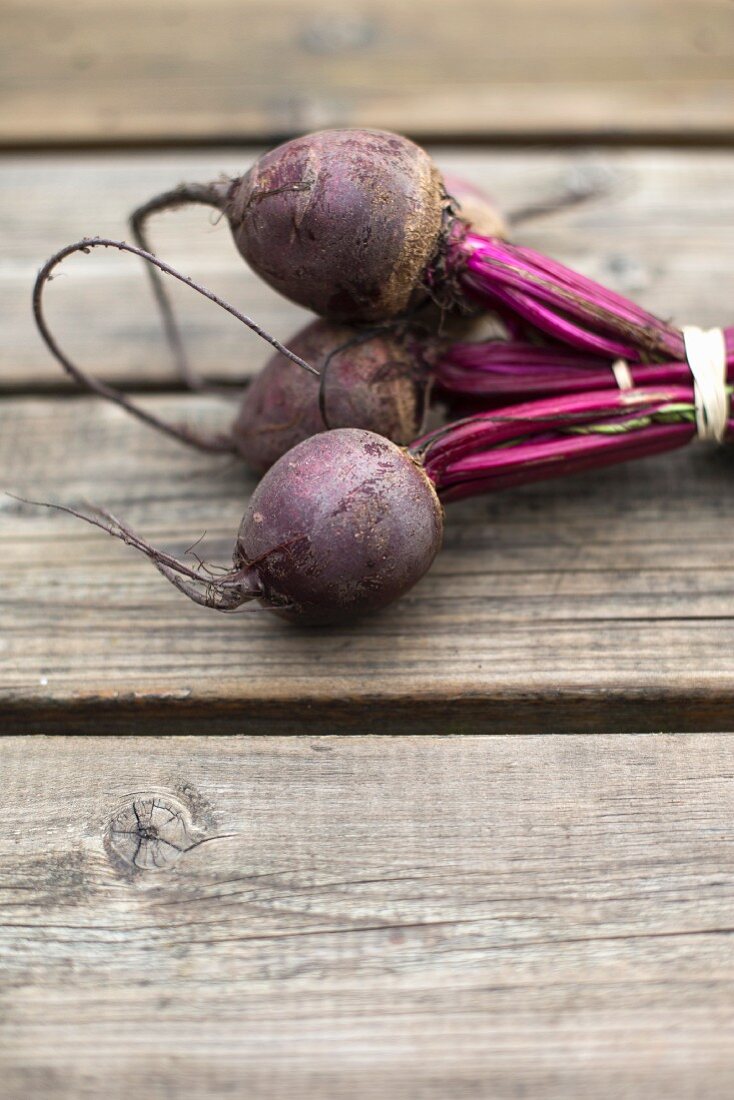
x: 706, y: 355
x: 622, y: 374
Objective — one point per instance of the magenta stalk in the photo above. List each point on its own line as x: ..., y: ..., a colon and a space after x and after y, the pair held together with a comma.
x: 502, y: 370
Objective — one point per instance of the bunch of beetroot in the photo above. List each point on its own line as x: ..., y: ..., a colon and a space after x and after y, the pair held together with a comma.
x: 360, y: 227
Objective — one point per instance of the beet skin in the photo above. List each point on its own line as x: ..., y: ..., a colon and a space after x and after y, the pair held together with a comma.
x: 343, y: 524
x: 378, y: 382
x: 344, y: 222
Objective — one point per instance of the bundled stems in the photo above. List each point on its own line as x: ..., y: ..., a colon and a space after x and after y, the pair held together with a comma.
x: 560, y: 302
x: 504, y: 370
x: 541, y: 439
x: 213, y: 443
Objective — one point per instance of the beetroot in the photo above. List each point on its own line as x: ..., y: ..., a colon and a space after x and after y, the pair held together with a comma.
x: 344, y: 222
x: 293, y: 211
x: 343, y: 524
x: 375, y: 380
x: 478, y: 212
x: 341, y: 221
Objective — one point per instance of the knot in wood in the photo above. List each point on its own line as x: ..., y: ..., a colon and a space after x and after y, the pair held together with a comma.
x: 151, y: 832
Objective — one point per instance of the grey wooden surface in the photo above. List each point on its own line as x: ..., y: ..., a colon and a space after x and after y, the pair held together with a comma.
x: 526, y: 915
x: 173, y: 70
x: 500, y: 917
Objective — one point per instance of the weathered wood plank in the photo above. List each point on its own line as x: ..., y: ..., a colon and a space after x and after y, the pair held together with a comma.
x: 603, y: 602
x: 96, y: 71
x: 663, y: 234
x: 424, y: 917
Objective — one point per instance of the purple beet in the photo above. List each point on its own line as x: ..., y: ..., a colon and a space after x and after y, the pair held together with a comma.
x: 342, y: 221
x: 347, y: 522
x: 343, y: 524
x: 377, y: 382
x: 358, y: 225
x: 360, y: 218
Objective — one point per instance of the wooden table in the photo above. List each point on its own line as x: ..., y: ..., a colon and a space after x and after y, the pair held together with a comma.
x: 507, y: 912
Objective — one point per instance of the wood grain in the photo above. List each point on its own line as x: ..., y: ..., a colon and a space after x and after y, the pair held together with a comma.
x: 602, y: 602
x: 175, y: 70
x: 400, y: 917
x: 662, y: 233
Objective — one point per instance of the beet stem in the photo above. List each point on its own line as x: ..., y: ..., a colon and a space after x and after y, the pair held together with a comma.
x: 513, y: 370
x: 571, y: 308
x: 519, y: 444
